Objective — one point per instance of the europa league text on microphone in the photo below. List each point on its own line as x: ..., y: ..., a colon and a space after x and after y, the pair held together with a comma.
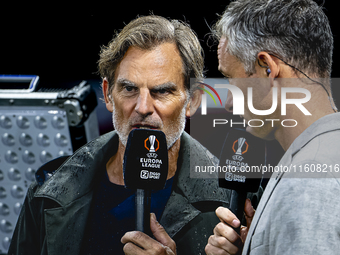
x: 145, y: 169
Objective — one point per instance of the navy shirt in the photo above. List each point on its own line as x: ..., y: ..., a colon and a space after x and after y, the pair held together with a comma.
x: 112, y: 214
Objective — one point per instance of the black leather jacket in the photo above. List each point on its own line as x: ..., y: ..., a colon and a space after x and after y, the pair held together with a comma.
x: 54, y: 215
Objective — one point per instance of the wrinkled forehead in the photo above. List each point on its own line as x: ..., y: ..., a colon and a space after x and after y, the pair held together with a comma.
x: 160, y: 65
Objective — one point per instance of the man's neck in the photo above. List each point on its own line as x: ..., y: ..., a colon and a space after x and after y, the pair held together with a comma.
x: 114, y: 166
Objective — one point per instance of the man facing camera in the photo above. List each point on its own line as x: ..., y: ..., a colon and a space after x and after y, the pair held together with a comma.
x: 84, y: 207
x: 283, y: 50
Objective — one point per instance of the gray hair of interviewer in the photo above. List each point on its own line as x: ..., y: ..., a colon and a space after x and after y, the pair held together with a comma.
x: 146, y: 33
x: 297, y: 31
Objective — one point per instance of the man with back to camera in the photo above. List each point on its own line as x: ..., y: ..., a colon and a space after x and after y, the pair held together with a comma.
x: 84, y: 208
x: 269, y: 45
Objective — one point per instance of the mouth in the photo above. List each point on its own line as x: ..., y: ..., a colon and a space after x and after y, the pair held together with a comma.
x: 143, y: 126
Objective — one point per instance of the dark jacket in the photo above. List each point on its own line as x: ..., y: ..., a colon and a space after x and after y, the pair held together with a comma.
x: 55, y: 211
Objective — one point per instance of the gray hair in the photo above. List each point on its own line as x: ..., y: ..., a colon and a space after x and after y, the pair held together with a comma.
x: 297, y: 31
x: 148, y: 32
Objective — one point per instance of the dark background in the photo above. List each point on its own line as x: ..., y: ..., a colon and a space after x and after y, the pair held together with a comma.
x: 60, y: 43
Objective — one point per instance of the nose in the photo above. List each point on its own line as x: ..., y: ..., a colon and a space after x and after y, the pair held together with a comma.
x: 229, y: 102
x: 144, y: 104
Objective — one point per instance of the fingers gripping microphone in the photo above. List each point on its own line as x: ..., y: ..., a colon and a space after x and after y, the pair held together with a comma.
x: 145, y: 168
x: 242, y: 156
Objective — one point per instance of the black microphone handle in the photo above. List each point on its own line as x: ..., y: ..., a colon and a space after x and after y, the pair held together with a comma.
x: 143, y: 205
x: 237, y: 200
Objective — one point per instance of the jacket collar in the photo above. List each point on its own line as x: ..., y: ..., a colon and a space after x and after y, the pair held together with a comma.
x: 323, y: 125
x: 77, y: 175
x: 188, y: 191
x: 192, y: 154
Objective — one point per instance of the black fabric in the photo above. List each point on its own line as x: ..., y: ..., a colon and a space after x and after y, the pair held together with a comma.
x: 112, y: 214
x: 54, y: 215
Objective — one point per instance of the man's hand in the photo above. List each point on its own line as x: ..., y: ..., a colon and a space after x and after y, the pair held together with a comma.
x: 139, y: 243
x: 225, y: 240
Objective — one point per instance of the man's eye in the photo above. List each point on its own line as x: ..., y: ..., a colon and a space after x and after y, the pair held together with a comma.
x: 162, y: 91
x: 129, y: 88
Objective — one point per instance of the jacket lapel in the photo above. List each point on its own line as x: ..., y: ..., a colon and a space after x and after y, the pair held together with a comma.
x: 274, y: 180
x: 177, y: 214
x: 65, y: 226
x: 72, y: 189
x: 263, y: 202
x: 179, y: 210
x: 79, y: 173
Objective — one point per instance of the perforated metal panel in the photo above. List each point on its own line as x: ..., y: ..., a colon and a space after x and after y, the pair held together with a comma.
x: 36, y: 127
x: 29, y: 137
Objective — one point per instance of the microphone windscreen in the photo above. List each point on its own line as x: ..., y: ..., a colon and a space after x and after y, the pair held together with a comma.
x: 145, y: 163
x: 241, y: 161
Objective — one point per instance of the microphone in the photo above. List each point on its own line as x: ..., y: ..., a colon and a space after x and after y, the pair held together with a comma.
x: 242, y: 158
x: 145, y: 168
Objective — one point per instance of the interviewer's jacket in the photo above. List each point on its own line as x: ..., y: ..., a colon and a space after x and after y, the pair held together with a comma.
x: 56, y: 208
x: 299, y: 211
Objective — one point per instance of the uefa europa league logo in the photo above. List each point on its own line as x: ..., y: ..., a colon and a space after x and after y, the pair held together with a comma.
x: 153, y: 147
x: 240, y: 144
x: 152, y: 139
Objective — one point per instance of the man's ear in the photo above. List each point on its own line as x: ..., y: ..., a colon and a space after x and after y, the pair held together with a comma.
x: 194, y: 103
x: 272, y: 64
x: 107, y: 95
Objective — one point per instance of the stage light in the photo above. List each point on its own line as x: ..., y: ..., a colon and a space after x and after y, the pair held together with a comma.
x: 35, y: 127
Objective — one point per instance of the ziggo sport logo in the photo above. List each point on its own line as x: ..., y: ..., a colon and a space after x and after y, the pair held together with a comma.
x: 238, y: 105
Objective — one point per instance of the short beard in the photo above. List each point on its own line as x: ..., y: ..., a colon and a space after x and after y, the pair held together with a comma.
x: 118, y: 127
x: 176, y: 128
x: 176, y: 134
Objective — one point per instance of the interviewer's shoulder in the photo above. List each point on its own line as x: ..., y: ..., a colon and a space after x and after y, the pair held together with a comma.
x: 323, y: 148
